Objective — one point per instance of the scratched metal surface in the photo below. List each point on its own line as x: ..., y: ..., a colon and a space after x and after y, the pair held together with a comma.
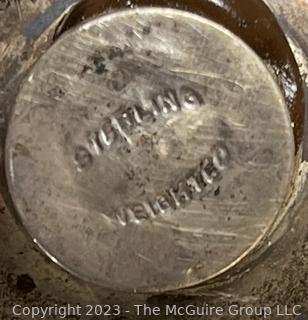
x: 132, y: 198
x: 285, y: 279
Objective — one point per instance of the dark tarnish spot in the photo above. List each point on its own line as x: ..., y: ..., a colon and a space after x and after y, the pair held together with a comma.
x: 99, y: 64
x: 100, y: 68
x: 115, y: 52
x: 217, y: 192
x: 25, y: 284
x: 146, y: 30
x: 56, y: 93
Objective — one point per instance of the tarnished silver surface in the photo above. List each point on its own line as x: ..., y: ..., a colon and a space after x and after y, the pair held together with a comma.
x: 149, y: 150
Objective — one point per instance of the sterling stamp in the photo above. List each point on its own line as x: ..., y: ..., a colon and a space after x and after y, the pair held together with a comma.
x: 121, y: 126
x: 148, y: 150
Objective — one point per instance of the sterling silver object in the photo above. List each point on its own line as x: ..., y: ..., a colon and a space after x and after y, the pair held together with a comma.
x: 149, y: 150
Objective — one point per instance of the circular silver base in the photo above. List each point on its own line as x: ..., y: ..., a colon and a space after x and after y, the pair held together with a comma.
x: 149, y: 150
